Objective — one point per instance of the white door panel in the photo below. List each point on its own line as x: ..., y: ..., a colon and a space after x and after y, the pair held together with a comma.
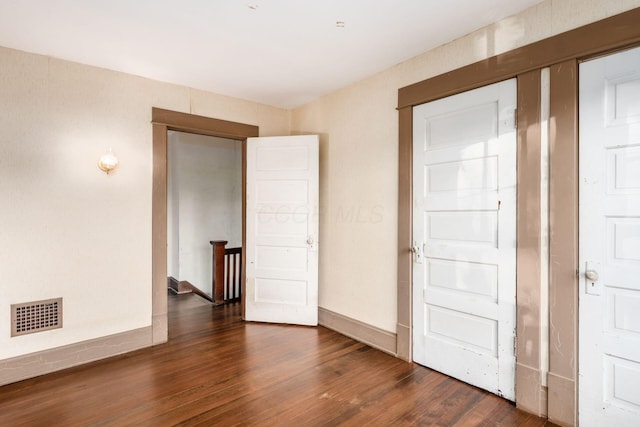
x: 282, y: 230
x: 464, y: 221
x: 609, y: 317
x: 476, y: 278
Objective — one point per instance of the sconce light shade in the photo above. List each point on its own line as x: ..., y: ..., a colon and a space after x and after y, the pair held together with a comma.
x: 108, y: 161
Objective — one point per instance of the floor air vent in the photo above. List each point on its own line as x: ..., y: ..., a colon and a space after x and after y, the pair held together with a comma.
x: 36, y: 316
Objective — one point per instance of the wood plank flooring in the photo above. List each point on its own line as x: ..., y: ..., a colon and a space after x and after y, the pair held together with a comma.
x: 218, y: 370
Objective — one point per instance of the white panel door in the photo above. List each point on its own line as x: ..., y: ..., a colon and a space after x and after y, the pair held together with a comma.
x: 464, y: 228
x: 282, y: 230
x: 609, y: 316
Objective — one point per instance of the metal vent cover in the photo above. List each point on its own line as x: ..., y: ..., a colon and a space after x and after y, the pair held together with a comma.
x: 36, y: 316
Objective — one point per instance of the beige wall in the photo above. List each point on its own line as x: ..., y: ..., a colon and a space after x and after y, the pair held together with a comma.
x: 359, y: 127
x: 67, y: 229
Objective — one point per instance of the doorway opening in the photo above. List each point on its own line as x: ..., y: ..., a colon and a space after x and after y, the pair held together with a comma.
x: 204, y: 216
x: 163, y: 122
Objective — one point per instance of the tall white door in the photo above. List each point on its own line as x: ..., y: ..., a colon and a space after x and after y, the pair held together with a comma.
x: 464, y: 228
x: 282, y: 230
x: 609, y: 313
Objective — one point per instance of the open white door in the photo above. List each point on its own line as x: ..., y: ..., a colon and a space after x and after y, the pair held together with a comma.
x: 464, y: 230
x: 609, y: 314
x: 282, y: 230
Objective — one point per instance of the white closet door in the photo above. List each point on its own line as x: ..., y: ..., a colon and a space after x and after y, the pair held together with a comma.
x: 464, y: 185
x: 609, y: 313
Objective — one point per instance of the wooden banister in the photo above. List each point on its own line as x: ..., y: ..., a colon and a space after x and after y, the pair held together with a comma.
x: 217, y: 279
x: 226, y: 276
x: 226, y: 272
x: 233, y: 279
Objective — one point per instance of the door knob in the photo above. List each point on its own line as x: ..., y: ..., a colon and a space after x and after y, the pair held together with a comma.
x: 592, y: 275
x: 311, y: 243
x: 418, y: 251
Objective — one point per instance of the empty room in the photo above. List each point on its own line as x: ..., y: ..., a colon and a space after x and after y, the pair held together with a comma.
x: 285, y: 212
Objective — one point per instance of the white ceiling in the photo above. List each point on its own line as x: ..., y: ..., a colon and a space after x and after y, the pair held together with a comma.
x: 280, y: 52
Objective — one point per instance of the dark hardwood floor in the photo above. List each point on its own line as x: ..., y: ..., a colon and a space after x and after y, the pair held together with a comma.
x: 218, y: 370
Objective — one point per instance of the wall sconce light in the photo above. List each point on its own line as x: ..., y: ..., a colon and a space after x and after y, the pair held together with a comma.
x: 108, y: 161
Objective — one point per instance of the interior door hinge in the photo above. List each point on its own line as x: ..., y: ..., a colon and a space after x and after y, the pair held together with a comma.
x: 515, y: 118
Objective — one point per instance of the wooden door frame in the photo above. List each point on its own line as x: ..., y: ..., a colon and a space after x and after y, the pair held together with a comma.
x: 561, y: 53
x: 164, y: 121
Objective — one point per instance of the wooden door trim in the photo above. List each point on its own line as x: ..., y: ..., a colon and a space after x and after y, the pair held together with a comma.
x: 566, y: 49
x: 609, y: 34
x: 563, y: 242
x: 528, y: 262
x: 163, y: 121
x: 404, y: 330
x: 185, y: 122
